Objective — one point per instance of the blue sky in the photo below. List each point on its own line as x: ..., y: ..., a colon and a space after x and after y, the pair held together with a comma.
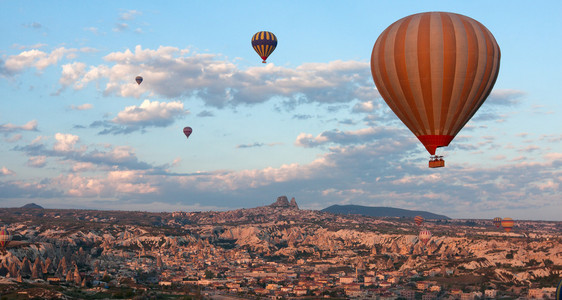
x: 78, y: 132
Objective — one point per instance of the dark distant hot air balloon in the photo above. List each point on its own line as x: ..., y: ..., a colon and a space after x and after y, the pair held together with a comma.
x: 434, y: 70
x: 5, y: 237
x: 497, y: 222
x: 264, y: 42
x: 418, y: 220
x: 138, y: 79
x: 507, y: 224
x: 424, y: 236
x: 187, y: 131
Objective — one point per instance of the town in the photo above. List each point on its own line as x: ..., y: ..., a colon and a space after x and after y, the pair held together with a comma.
x: 276, y: 251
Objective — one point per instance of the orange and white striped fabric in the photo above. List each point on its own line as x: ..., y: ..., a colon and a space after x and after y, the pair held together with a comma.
x: 434, y: 70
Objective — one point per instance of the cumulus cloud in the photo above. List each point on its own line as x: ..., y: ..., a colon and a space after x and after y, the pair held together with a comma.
x: 65, y: 142
x: 374, y: 173
x: 148, y: 114
x: 85, y: 106
x: 71, y: 73
x: 67, y: 148
x: 172, y: 72
x: 205, y: 113
x: 494, y: 109
x: 35, y: 58
x: 336, y: 136
x: 34, y: 25
x: 129, y: 14
x: 153, y: 113
x: 14, y: 138
x: 5, y: 172
x: 9, y: 127
x: 368, y: 106
x: 37, y: 161
x: 255, y: 145
x: 505, y: 97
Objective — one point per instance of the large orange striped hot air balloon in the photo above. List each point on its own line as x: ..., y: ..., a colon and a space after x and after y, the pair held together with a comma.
x: 418, y: 220
x: 434, y: 70
x: 497, y: 222
x: 264, y: 42
x: 507, y: 224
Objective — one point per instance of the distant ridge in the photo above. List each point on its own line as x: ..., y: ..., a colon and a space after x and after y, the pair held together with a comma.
x: 32, y: 205
x: 374, y: 211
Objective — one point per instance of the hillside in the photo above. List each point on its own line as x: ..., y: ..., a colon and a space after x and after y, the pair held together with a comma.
x: 377, y: 211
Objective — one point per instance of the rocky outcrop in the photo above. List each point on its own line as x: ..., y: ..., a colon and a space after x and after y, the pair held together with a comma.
x: 283, y: 202
x: 293, y: 203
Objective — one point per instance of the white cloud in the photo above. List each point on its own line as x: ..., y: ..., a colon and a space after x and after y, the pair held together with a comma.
x: 5, y: 172
x: 82, y: 166
x: 71, y: 73
x: 505, y: 97
x: 85, y: 106
x: 29, y: 126
x: 367, y: 106
x: 172, y: 72
x: 14, y: 138
x: 93, y: 30
x: 37, y: 59
x: 359, y: 136
x: 130, y: 14
x: 65, y: 142
x: 121, y: 27
x: 154, y: 113
x: 37, y: 161
x: 109, y: 185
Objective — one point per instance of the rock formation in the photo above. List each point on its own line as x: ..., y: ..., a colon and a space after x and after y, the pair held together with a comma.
x: 283, y: 202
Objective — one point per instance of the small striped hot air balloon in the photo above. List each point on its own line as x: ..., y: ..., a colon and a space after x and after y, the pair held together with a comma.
x: 418, y: 220
x: 5, y: 237
x: 507, y: 224
x: 264, y: 42
x: 497, y: 222
x: 435, y: 70
x: 138, y: 79
x: 424, y: 236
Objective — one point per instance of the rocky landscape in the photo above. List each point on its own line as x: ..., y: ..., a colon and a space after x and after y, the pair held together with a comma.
x: 277, y: 250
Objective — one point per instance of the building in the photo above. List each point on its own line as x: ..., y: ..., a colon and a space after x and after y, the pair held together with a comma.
x: 490, y: 294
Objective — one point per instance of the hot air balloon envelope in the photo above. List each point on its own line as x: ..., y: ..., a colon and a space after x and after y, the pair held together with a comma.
x: 418, y: 220
x: 138, y: 79
x: 497, y: 222
x: 264, y: 42
x: 187, y: 131
x: 424, y: 236
x: 507, y: 224
x: 434, y: 70
x: 5, y: 237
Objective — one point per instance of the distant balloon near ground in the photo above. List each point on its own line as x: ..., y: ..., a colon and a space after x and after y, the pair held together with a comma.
x: 138, y: 79
x: 264, y: 42
x: 497, y: 222
x: 5, y: 237
x: 418, y: 220
x: 187, y: 131
x: 434, y: 70
x: 507, y: 224
x: 425, y: 236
